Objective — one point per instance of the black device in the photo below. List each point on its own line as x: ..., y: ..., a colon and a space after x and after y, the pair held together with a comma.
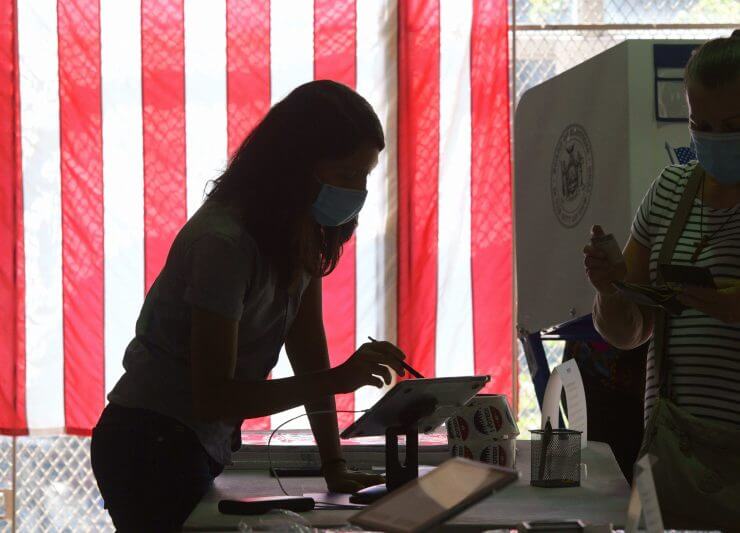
x: 412, y: 406
x: 687, y: 275
x: 252, y: 506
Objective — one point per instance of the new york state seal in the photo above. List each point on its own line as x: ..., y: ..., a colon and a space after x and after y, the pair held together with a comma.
x: 571, y: 175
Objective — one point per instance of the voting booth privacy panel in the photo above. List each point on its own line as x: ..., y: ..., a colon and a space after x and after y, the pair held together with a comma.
x: 588, y: 144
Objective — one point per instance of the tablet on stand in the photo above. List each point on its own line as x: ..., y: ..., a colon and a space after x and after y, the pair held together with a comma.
x: 408, y: 408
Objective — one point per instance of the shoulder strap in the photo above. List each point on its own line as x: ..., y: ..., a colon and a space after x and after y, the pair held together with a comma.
x: 680, y: 216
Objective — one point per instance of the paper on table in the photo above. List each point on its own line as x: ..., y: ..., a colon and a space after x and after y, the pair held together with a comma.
x: 569, y: 377
x: 644, y: 499
x: 634, y: 511
x: 648, y: 494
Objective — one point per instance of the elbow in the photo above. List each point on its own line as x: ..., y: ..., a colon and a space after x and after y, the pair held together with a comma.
x: 624, y: 336
x: 602, y: 327
x: 621, y: 342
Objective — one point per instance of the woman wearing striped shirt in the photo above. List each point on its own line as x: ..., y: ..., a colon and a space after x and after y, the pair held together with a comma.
x: 692, y: 406
x: 704, y: 341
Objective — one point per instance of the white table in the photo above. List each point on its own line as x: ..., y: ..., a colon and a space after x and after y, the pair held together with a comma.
x: 602, y: 497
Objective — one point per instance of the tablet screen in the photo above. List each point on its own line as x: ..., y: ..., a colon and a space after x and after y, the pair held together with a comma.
x: 444, y: 491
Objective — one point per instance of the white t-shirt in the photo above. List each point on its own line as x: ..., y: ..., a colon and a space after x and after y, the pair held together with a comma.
x: 703, y: 352
x: 214, y: 265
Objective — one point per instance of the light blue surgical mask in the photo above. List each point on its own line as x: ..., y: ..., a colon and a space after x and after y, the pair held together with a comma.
x: 336, y: 205
x: 718, y: 154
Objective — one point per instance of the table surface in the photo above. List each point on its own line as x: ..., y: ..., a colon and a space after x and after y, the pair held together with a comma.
x: 602, y: 497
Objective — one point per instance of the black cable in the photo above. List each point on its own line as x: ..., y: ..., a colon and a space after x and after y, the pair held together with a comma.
x: 325, y: 505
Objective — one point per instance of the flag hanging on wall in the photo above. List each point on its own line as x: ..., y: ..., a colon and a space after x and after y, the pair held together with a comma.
x: 115, y: 114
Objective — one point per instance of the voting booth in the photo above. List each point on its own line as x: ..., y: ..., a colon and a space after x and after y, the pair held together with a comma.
x: 588, y: 144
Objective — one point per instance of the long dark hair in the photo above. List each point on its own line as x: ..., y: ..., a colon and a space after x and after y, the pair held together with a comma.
x: 270, y: 179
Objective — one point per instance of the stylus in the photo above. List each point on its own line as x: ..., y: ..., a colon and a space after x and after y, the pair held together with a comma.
x: 404, y: 364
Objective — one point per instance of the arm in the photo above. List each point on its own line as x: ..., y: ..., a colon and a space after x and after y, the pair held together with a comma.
x: 722, y: 303
x: 622, y: 323
x: 308, y: 354
x: 217, y: 395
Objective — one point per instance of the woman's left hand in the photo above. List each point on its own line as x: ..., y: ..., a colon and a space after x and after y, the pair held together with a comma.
x: 722, y: 304
x: 339, y: 479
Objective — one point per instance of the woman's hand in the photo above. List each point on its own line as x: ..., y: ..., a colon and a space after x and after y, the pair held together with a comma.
x: 722, y: 304
x: 369, y: 366
x: 601, y: 273
x: 339, y: 479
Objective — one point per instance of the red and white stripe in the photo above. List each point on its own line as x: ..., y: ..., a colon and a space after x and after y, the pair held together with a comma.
x: 114, y: 116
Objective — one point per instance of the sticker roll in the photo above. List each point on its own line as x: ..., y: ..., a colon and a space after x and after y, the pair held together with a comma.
x: 500, y: 452
x: 486, y: 416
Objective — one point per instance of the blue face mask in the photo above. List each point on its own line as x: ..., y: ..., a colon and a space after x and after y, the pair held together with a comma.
x: 719, y: 154
x: 336, y: 206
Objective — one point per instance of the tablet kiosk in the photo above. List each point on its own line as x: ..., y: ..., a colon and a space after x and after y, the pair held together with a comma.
x: 409, y: 407
x: 428, y: 501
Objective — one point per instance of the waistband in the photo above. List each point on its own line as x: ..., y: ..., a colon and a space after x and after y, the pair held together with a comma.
x: 118, y: 415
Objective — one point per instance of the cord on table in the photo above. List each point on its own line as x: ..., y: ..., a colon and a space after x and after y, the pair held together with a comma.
x: 325, y: 505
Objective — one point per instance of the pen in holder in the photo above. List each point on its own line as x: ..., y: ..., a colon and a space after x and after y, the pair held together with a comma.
x: 556, y: 457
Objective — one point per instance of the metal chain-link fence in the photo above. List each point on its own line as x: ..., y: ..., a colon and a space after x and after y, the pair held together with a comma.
x: 542, y: 54
x: 529, y: 410
x: 55, y: 487
x: 621, y: 12
x: 6, y: 478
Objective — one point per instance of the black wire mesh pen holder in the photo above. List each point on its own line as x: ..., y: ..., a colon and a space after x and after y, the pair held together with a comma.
x: 556, y: 458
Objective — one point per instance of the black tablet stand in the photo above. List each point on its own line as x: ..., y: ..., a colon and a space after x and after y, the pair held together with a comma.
x: 397, y: 474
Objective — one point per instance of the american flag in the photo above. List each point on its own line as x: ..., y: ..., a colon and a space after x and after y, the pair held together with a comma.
x: 114, y: 114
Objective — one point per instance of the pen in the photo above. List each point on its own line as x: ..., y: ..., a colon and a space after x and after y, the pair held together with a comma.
x: 404, y: 364
x: 544, y: 455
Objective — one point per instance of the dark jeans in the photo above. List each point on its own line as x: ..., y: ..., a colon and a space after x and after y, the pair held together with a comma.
x: 151, y: 470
